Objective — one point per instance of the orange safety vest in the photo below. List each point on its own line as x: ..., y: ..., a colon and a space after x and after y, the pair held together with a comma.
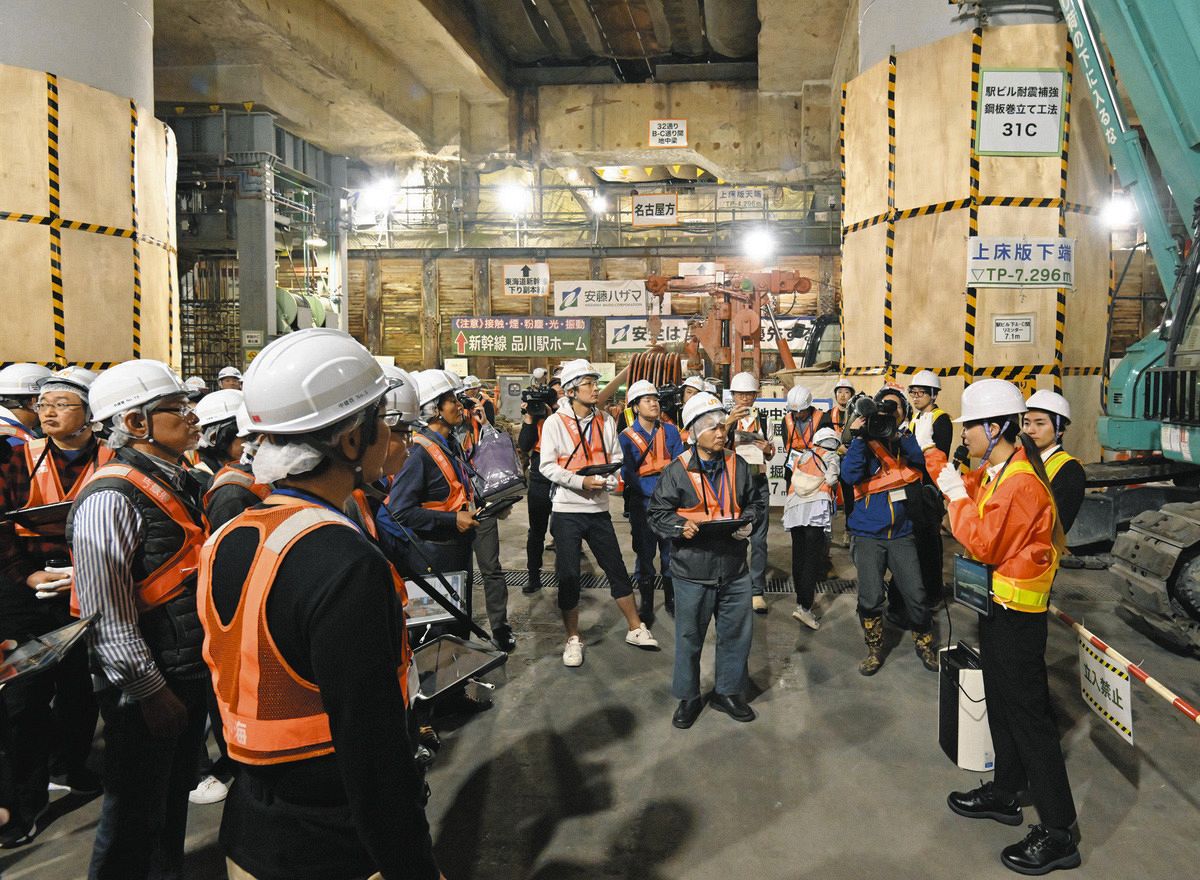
x: 234, y: 476
x: 45, y: 485
x: 892, y: 473
x: 359, y: 497
x: 456, y: 500
x: 584, y: 454
x: 18, y: 431
x: 1022, y: 583
x: 838, y: 416
x: 270, y: 714
x: 167, y: 581
x: 654, y: 455
x: 702, y: 511
x: 812, y: 466
x: 537, y: 447
x: 792, y: 433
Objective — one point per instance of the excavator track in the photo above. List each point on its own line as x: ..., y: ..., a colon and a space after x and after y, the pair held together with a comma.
x: 1158, y: 560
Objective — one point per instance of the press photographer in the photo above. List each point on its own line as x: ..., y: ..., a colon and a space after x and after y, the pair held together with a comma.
x: 537, y: 402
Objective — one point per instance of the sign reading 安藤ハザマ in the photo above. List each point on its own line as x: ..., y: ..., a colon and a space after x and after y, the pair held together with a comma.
x: 607, y: 298
x: 1020, y: 262
x: 527, y: 279
x: 520, y: 337
x: 668, y: 133
x: 1020, y: 113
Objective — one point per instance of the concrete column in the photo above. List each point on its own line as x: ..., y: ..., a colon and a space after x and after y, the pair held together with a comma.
x: 337, y: 221
x: 598, y: 350
x: 373, y: 307
x: 104, y: 43
x: 256, y: 258
x: 431, y: 354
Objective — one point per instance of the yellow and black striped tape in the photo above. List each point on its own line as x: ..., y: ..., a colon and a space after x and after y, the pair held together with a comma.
x: 938, y: 208
x: 842, y: 197
x: 94, y: 366
x: 1060, y: 299
x: 972, y: 297
x: 133, y: 211
x: 1020, y: 202
x: 57, y: 301
x: 940, y: 371
x: 889, y: 251
x: 97, y: 228
x: 885, y: 217
x: 1011, y: 372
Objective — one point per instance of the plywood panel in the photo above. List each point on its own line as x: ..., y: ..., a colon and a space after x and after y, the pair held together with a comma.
x: 400, y: 293
x: 155, y: 270
x: 98, y: 286
x: 866, y: 145
x: 1087, y: 304
x: 928, y: 293
x: 863, y: 283
x: 1088, y: 181
x: 933, y: 119
x: 24, y: 181
x: 153, y: 195
x: 1083, y: 393
x: 356, y: 298
x: 625, y: 268
x: 94, y: 151
x: 28, y: 333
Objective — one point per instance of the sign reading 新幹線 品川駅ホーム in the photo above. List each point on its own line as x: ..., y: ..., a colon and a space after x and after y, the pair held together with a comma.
x: 519, y: 337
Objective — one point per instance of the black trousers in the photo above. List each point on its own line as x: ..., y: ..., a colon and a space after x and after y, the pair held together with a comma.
x: 808, y: 562
x: 1012, y: 647
x: 570, y: 531
x: 539, y: 519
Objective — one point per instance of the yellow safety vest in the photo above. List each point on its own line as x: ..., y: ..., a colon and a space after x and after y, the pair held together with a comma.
x: 1055, y: 462
x: 1021, y: 594
x: 935, y: 413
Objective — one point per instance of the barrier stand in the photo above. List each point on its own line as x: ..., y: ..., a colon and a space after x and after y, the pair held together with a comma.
x: 1132, y: 668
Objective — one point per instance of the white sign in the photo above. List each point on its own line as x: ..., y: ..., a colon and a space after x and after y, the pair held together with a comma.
x: 655, y: 209
x: 607, y: 298
x: 1020, y: 262
x: 740, y: 198
x: 457, y: 365
x: 668, y: 133
x: 773, y: 408
x: 1177, y: 439
x: 1020, y: 113
x: 633, y: 334
x: 796, y: 331
x: 252, y: 338
x: 715, y: 271
x: 1105, y: 687
x: 1012, y: 329
x: 527, y: 279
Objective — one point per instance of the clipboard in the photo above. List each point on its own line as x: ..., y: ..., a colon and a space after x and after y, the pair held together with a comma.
x: 38, y: 519
x: 497, y: 507
x: 722, y: 528
x: 43, y: 652
x: 599, y: 470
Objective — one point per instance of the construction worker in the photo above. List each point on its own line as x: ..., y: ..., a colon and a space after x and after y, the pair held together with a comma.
x: 1044, y: 423
x: 690, y: 387
x: 135, y: 531
x: 219, y: 443
x: 746, y: 420
x: 18, y: 394
x: 304, y: 639
x: 538, y: 377
x: 711, y: 577
x: 843, y: 390
x: 801, y: 421
x: 482, y: 405
x: 35, y: 585
x: 1003, y: 514
x: 885, y: 465
x: 230, y: 377
x: 579, y: 435
x: 922, y: 397
x: 808, y: 516
x: 647, y: 446
x: 529, y: 441
x: 197, y: 387
x: 233, y: 488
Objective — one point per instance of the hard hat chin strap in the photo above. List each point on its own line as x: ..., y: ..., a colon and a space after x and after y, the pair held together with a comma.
x: 992, y: 441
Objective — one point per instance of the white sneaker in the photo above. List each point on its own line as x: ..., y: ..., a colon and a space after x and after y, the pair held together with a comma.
x: 573, y: 652
x: 806, y: 617
x: 641, y: 638
x: 210, y: 791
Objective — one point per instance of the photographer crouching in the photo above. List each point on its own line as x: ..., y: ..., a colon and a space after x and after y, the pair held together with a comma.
x: 885, y: 465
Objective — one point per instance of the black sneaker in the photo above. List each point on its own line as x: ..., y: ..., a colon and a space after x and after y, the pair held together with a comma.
x: 18, y: 833
x: 1043, y: 850
x: 985, y: 803
x: 533, y: 584
x: 504, y: 638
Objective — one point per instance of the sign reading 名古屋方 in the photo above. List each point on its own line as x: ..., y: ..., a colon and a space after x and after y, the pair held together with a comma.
x: 520, y: 337
x: 1020, y: 113
x: 1020, y: 262
x: 607, y: 298
x: 655, y: 209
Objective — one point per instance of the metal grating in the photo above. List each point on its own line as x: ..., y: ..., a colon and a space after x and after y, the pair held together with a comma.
x: 600, y: 582
x: 209, y: 318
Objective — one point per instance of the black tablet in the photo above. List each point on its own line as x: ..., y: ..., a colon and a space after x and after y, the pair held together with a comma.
x: 495, y: 508
x: 599, y: 470
x: 973, y: 584
x: 722, y: 528
x: 42, y: 652
x: 448, y: 661
x: 39, y: 518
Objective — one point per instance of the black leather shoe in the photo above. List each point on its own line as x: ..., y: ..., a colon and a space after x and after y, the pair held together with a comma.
x: 503, y: 637
x: 733, y: 705
x: 1043, y: 850
x: 985, y: 803
x: 687, y: 713
x: 534, y: 584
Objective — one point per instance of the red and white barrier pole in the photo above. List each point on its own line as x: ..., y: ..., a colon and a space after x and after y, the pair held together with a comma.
x: 1136, y: 671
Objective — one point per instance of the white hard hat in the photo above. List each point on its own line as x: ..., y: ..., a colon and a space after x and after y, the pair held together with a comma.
x: 696, y: 382
x: 573, y: 371
x: 309, y: 380
x: 195, y: 383
x: 455, y: 380
x: 431, y: 385
x: 798, y: 398
x: 472, y: 382
x: 244, y: 426
x: 744, y: 382
x: 19, y: 380
x: 539, y: 372
x: 843, y: 383
x: 710, y: 387
x: 699, y: 405
x: 73, y: 380
x: 827, y: 438
x: 402, y: 398
x: 990, y: 399
x: 926, y: 379
x: 1049, y: 401
x: 229, y: 373
x: 132, y: 384
x: 218, y: 406
x: 78, y: 375
x: 640, y: 388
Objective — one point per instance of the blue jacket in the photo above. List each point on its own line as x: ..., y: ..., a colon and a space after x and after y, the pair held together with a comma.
x: 632, y: 457
x: 420, y: 480
x: 878, y: 516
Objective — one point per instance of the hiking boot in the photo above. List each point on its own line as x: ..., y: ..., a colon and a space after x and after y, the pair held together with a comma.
x: 985, y: 803
x: 534, y: 584
x: 873, y: 636
x: 923, y: 642
x: 1043, y: 850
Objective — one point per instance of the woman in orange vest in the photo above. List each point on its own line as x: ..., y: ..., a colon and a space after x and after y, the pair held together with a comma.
x: 304, y: 639
x: 35, y: 587
x: 808, y: 516
x: 1004, y: 515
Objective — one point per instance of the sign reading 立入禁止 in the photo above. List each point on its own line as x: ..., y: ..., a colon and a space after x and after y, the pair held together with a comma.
x: 668, y: 133
x: 1020, y: 262
x: 520, y: 337
x: 655, y: 209
x: 1012, y: 329
x: 1020, y: 113
x: 740, y: 198
x: 527, y: 279
x: 608, y: 298
x: 1105, y: 687
x: 633, y: 334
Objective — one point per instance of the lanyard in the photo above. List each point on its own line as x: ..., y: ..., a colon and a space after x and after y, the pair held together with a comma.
x: 460, y: 467
x: 315, y: 499
x: 718, y: 490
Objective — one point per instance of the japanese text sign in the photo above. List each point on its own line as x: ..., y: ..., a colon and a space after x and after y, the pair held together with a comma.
x: 1020, y: 113
x: 1105, y: 687
x: 607, y: 298
x: 740, y: 198
x: 527, y: 279
x: 633, y: 334
x: 520, y: 337
x: 655, y: 209
x: 1020, y: 262
x: 1012, y: 329
x: 668, y: 133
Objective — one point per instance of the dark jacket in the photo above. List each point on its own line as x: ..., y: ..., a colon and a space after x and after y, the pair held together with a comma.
x: 1067, y: 487
x: 526, y: 441
x: 878, y: 515
x: 709, y: 561
x: 421, y: 480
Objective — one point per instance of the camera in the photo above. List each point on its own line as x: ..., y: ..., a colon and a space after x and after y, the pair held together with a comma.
x: 879, y: 416
x: 539, y: 400
x: 670, y: 399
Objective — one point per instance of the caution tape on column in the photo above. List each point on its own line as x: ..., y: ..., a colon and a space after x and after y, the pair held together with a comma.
x: 972, y: 303
x: 842, y: 200
x: 1009, y: 372
x: 958, y: 204
x: 82, y: 226
x: 1060, y: 299
x: 889, y: 251
x: 94, y: 366
x: 58, y: 309
x: 137, y: 254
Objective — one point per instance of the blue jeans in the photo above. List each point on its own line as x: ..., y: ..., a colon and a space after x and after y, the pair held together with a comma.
x: 758, y: 541
x: 645, y: 542
x: 697, y: 604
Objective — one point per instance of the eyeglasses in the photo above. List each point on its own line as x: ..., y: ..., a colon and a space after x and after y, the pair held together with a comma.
x: 180, y: 412
x: 394, y: 420
x: 56, y: 407
x: 917, y: 392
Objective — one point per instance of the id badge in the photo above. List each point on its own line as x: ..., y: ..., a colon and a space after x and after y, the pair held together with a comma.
x: 793, y: 459
x: 897, y: 495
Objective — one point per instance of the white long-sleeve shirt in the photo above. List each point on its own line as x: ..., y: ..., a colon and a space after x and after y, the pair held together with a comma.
x: 569, y: 495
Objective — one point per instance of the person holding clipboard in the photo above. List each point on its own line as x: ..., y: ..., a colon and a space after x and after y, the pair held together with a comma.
x: 1005, y: 517
x: 707, y: 503
x: 581, y: 456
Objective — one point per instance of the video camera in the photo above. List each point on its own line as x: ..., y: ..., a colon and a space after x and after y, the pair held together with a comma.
x: 539, y: 400
x: 670, y: 399
x: 879, y: 416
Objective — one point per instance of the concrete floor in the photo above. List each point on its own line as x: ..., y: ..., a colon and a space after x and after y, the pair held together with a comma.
x: 578, y: 774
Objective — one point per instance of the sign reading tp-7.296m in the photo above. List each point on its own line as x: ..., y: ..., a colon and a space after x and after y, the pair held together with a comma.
x: 1020, y: 262
x: 520, y: 337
